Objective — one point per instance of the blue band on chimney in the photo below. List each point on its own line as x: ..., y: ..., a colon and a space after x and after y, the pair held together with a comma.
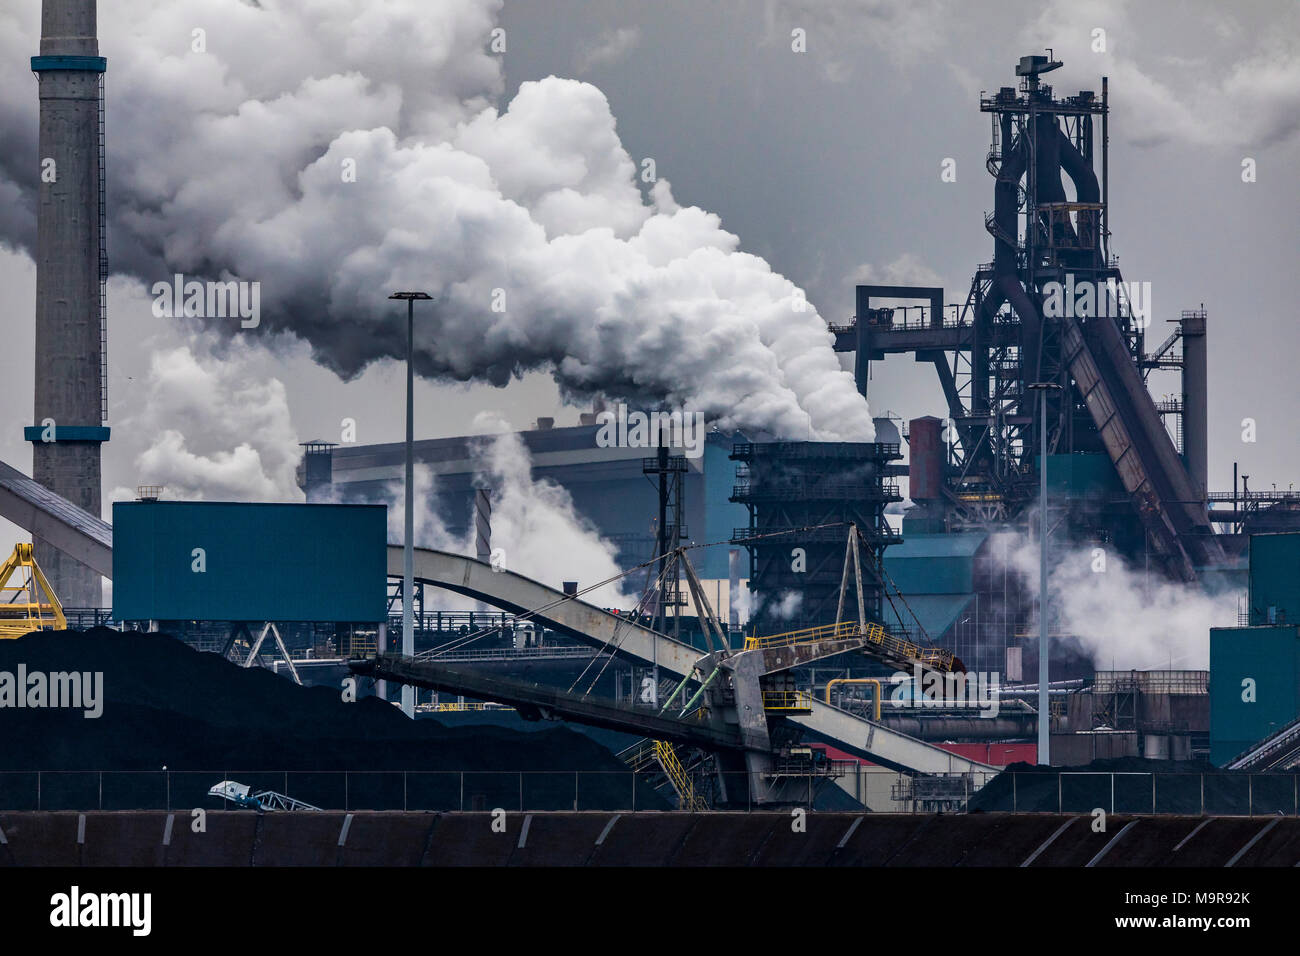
x: 95, y: 433
x: 92, y: 64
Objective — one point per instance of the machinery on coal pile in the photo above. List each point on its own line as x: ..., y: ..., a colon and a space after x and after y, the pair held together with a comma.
x: 245, y: 797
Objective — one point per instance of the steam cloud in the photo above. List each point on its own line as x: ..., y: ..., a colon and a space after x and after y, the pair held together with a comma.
x: 534, y: 523
x: 218, y: 426
x: 234, y: 163
x: 1119, y: 618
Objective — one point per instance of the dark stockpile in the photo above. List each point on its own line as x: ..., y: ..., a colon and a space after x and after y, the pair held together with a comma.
x: 167, y: 706
x: 1137, y: 785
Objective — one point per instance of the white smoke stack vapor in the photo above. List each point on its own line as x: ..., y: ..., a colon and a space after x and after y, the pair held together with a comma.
x: 1119, y: 616
x: 535, y: 526
x: 430, y: 528
x: 336, y: 151
x: 217, y: 427
x: 536, y: 530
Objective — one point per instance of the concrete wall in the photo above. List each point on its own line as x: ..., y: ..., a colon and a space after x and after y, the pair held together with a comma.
x: 233, y: 838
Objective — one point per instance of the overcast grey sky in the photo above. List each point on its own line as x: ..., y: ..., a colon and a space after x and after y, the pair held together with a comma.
x: 824, y: 163
x: 828, y: 163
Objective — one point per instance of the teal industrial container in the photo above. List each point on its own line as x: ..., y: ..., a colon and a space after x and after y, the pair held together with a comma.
x: 934, y: 563
x: 227, y: 561
x: 1254, y: 686
x: 936, y: 573
x: 1275, y: 578
x: 1082, y: 475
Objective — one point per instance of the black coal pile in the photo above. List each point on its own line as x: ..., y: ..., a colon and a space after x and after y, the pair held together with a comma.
x: 201, y: 719
x: 1136, y: 785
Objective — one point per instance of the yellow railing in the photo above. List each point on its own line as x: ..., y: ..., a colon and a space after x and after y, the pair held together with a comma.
x: 788, y: 700
x: 454, y: 708
x: 363, y: 645
x: 678, y: 776
x: 30, y: 605
x: 934, y: 658
x: 811, y: 635
x: 874, y: 682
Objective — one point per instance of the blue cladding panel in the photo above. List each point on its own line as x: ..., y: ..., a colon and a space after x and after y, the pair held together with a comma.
x: 934, y: 563
x: 92, y: 64
x: 1082, y: 475
x: 1269, y: 656
x: 936, y: 613
x: 66, y: 433
x: 1275, y: 578
x: 264, y: 562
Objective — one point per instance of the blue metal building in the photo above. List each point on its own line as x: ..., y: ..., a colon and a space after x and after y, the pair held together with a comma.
x: 1255, y: 669
x: 228, y: 561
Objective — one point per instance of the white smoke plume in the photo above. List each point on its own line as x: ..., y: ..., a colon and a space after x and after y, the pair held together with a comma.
x: 334, y: 151
x: 781, y: 606
x: 430, y: 528
x: 535, y: 524
x: 218, y: 427
x: 1119, y: 616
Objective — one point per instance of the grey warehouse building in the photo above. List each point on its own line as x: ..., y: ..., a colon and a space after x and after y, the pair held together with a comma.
x: 609, y: 485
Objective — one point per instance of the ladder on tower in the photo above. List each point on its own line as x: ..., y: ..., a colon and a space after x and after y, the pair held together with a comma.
x: 103, y: 268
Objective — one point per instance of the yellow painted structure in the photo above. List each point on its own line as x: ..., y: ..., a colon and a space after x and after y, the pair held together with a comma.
x: 27, y: 602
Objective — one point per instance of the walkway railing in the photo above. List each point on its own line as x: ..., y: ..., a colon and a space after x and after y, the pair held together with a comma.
x: 812, y: 635
x: 891, y: 647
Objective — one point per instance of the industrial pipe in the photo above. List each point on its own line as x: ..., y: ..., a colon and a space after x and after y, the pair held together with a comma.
x: 949, y: 727
x: 857, y: 680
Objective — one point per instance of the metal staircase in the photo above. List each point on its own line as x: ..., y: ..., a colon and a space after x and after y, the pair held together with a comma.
x: 879, y: 644
x: 647, y: 754
x: 687, y: 798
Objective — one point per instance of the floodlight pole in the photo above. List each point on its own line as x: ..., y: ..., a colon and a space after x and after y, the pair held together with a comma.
x: 408, y: 533
x: 1044, y: 700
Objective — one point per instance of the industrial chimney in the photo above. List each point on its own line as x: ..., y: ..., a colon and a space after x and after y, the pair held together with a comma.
x: 483, y: 524
x: 71, y: 401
